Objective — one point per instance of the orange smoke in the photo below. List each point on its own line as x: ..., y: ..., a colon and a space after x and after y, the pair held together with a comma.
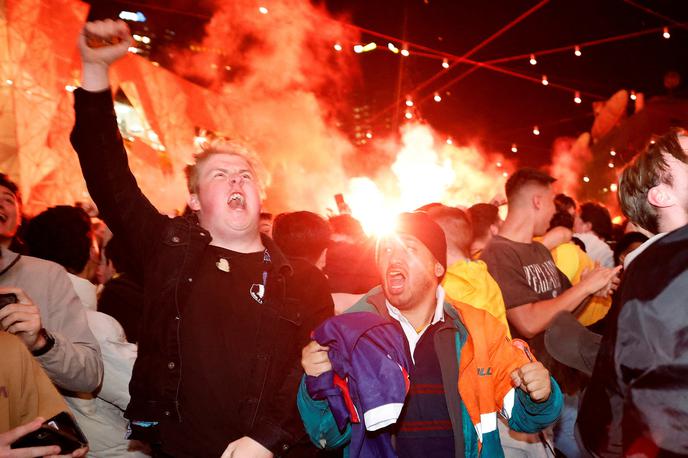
x: 279, y: 80
x: 569, y: 159
x: 426, y: 169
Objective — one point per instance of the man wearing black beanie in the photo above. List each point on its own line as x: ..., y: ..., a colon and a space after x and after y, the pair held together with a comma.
x: 464, y: 368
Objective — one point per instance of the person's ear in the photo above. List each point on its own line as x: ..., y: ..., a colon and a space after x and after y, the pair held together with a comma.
x: 537, y: 201
x: 439, y: 269
x: 661, y: 196
x: 194, y: 202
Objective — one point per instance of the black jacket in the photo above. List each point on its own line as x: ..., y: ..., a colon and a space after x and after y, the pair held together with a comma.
x: 637, y: 399
x: 169, y: 251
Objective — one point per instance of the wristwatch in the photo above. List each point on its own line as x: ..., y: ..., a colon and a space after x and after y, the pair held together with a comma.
x: 49, y: 343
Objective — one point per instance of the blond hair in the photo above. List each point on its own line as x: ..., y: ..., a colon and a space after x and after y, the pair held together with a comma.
x: 231, y: 147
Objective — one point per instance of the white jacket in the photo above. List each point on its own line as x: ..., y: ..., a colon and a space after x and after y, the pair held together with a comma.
x: 101, y: 415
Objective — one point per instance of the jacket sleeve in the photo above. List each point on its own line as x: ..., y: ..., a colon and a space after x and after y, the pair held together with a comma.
x: 27, y: 391
x: 74, y: 363
x: 523, y: 414
x: 319, y: 422
x: 651, y: 366
x: 105, y: 167
x: 529, y: 416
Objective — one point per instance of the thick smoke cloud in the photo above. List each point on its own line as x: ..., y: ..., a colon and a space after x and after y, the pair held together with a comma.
x: 285, y: 81
x: 569, y: 159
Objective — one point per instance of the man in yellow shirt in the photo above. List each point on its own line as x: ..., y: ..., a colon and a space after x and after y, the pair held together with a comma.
x: 466, y: 280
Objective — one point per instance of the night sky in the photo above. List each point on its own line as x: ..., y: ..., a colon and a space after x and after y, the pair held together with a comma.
x: 487, y: 107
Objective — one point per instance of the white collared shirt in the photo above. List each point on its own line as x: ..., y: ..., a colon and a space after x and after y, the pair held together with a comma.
x: 412, y: 336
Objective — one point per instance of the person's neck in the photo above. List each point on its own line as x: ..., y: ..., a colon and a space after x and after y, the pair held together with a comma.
x: 671, y: 220
x: 241, y: 243
x: 455, y: 255
x: 5, y: 242
x: 478, y: 246
x: 421, y: 316
x: 518, y: 228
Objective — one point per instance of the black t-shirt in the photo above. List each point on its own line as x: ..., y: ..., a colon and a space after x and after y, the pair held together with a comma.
x: 525, y: 272
x: 218, y: 330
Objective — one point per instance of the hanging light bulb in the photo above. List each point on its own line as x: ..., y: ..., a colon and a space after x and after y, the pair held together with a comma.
x: 437, y: 97
x: 533, y: 61
x: 409, y: 101
x: 358, y: 49
x: 450, y: 141
x: 665, y: 33
x: 577, y: 97
x: 338, y: 47
x: 445, y: 63
x: 369, y: 47
x: 408, y: 115
x: 577, y: 51
x: 613, y: 187
x: 586, y: 179
x: 393, y: 48
x: 405, y: 52
x: 610, y: 165
x: 536, y: 130
x: 263, y: 10
x: 633, y: 96
x: 612, y: 153
x: 514, y: 148
x: 545, y: 81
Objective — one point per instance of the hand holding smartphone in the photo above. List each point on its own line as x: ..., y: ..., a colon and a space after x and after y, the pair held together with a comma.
x: 61, y: 430
x: 7, y: 299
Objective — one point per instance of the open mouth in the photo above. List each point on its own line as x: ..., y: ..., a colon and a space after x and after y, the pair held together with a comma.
x: 396, y: 280
x: 236, y: 201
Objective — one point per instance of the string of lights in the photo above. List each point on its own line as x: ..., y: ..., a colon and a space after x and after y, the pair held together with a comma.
x: 457, y: 59
x: 450, y: 61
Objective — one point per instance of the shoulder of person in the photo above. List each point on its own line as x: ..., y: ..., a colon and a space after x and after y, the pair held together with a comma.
x: 13, y: 350
x: 43, y: 266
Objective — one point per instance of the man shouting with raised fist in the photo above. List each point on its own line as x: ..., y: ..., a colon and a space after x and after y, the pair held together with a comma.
x: 218, y: 363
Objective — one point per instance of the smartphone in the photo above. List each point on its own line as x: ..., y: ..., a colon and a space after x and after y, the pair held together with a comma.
x: 7, y: 299
x: 61, y: 430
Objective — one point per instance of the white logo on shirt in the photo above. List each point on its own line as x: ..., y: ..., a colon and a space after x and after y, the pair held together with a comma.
x: 257, y: 292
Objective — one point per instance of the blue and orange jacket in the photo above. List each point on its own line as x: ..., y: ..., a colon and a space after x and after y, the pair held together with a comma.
x: 477, y: 360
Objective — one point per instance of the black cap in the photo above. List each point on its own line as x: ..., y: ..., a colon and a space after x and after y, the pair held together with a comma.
x: 422, y: 227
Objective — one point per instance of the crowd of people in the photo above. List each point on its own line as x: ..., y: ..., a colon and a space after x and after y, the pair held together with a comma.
x: 227, y: 332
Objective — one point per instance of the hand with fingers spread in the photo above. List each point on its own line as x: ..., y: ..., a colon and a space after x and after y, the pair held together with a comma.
x: 533, y: 378
x: 22, y: 319
x: 601, y: 281
x: 314, y: 359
